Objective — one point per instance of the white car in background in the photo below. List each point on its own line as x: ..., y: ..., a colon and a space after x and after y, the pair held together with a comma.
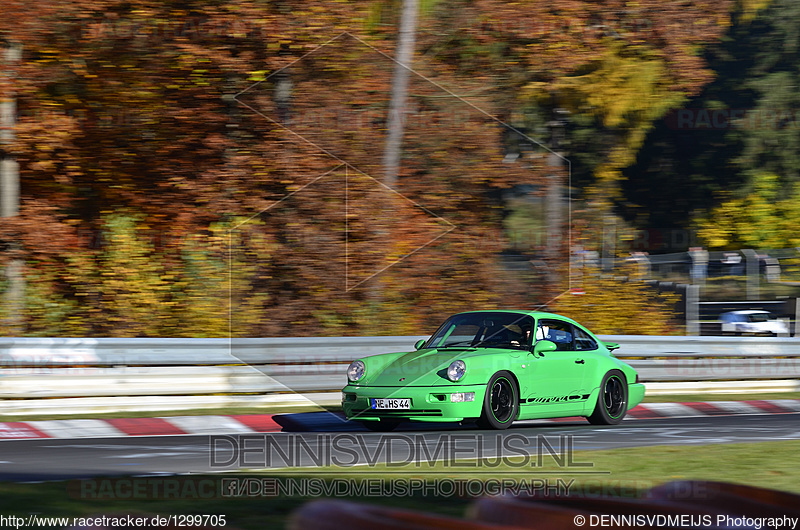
x: 754, y: 322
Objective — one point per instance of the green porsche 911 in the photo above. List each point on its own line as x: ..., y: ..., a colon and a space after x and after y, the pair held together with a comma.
x: 494, y: 367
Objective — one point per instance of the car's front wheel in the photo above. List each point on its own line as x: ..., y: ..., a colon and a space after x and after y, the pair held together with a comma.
x: 501, y: 402
x: 612, y: 401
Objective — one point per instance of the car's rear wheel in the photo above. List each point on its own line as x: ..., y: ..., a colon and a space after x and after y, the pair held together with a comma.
x: 500, y: 403
x: 381, y: 425
x: 612, y: 400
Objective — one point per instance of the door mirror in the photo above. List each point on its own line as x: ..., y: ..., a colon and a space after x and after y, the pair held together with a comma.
x: 544, y: 346
x: 419, y: 344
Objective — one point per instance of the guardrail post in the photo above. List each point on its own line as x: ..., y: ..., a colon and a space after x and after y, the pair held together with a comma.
x: 642, y: 262
x: 693, y: 310
x: 699, y: 271
x: 752, y: 274
x: 796, y: 327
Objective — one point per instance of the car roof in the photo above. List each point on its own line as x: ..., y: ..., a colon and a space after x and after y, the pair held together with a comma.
x: 521, y: 312
x: 745, y: 312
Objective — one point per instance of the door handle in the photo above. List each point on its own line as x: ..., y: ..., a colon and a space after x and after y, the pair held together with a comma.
x: 579, y: 361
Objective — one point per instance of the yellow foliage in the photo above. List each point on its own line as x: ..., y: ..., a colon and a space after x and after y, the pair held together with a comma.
x: 627, y: 90
x: 750, y: 8
x: 765, y: 218
x: 612, y: 306
x: 130, y: 289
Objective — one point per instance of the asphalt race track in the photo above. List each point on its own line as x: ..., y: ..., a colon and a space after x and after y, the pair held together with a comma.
x: 53, y: 459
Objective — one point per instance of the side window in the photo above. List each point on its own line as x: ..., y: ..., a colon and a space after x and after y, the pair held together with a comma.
x: 516, y: 334
x: 556, y: 331
x: 583, y: 341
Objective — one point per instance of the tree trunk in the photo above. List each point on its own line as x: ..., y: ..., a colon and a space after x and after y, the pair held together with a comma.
x: 555, y: 244
x: 13, y: 297
x: 395, y: 125
x: 397, y: 104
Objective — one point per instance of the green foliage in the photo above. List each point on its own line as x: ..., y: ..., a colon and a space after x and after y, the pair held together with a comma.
x: 525, y: 225
x: 772, y: 127
x: 48, y: 312
x: 705, y: 169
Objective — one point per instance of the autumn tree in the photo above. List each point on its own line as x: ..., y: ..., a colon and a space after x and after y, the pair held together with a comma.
x: 147, y: 129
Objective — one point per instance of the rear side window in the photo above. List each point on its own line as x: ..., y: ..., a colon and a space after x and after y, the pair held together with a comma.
x: 583, y: 341
x: 556, y: 331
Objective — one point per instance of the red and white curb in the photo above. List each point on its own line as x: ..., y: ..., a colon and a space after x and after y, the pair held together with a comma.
x: 714, y: 408
x: 326, y: 421
x: 116, y: 427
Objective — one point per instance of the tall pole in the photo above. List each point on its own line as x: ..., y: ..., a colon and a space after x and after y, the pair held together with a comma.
x: 13, y: 296
x: 395, y: 129
x: 554, y: 206
x: 396, y: 119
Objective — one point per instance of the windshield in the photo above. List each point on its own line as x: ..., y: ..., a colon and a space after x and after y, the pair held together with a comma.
x: 489, y: 329
x: 761, y: 317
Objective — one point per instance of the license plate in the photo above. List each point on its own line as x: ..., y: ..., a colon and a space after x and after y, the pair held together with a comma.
x: 391, y: 403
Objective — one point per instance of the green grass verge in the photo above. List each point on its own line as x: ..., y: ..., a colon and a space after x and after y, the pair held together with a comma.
x: 624, y: 471
x: 765, y: 464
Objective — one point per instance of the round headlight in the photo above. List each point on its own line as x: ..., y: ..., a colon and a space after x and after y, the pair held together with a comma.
x: 456, y: 370
x: 356, y: 371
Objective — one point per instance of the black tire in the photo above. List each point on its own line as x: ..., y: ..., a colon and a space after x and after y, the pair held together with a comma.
x: 381, y: 426
x: 500, y: 403
x: 612, y: 400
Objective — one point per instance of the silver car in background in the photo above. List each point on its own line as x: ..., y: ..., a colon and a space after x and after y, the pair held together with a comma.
x: 753, y: 322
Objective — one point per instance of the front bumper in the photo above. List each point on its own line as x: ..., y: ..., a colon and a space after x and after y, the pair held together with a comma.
x: 427, y: 403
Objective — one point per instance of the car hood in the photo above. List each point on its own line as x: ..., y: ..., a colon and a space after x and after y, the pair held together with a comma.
x: 427, y: 367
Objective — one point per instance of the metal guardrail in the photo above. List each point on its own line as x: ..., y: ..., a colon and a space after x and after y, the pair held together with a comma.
x: 70, y: 352
x: 651, y: 346
x: 41, y: 369
x: 66, y: 352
